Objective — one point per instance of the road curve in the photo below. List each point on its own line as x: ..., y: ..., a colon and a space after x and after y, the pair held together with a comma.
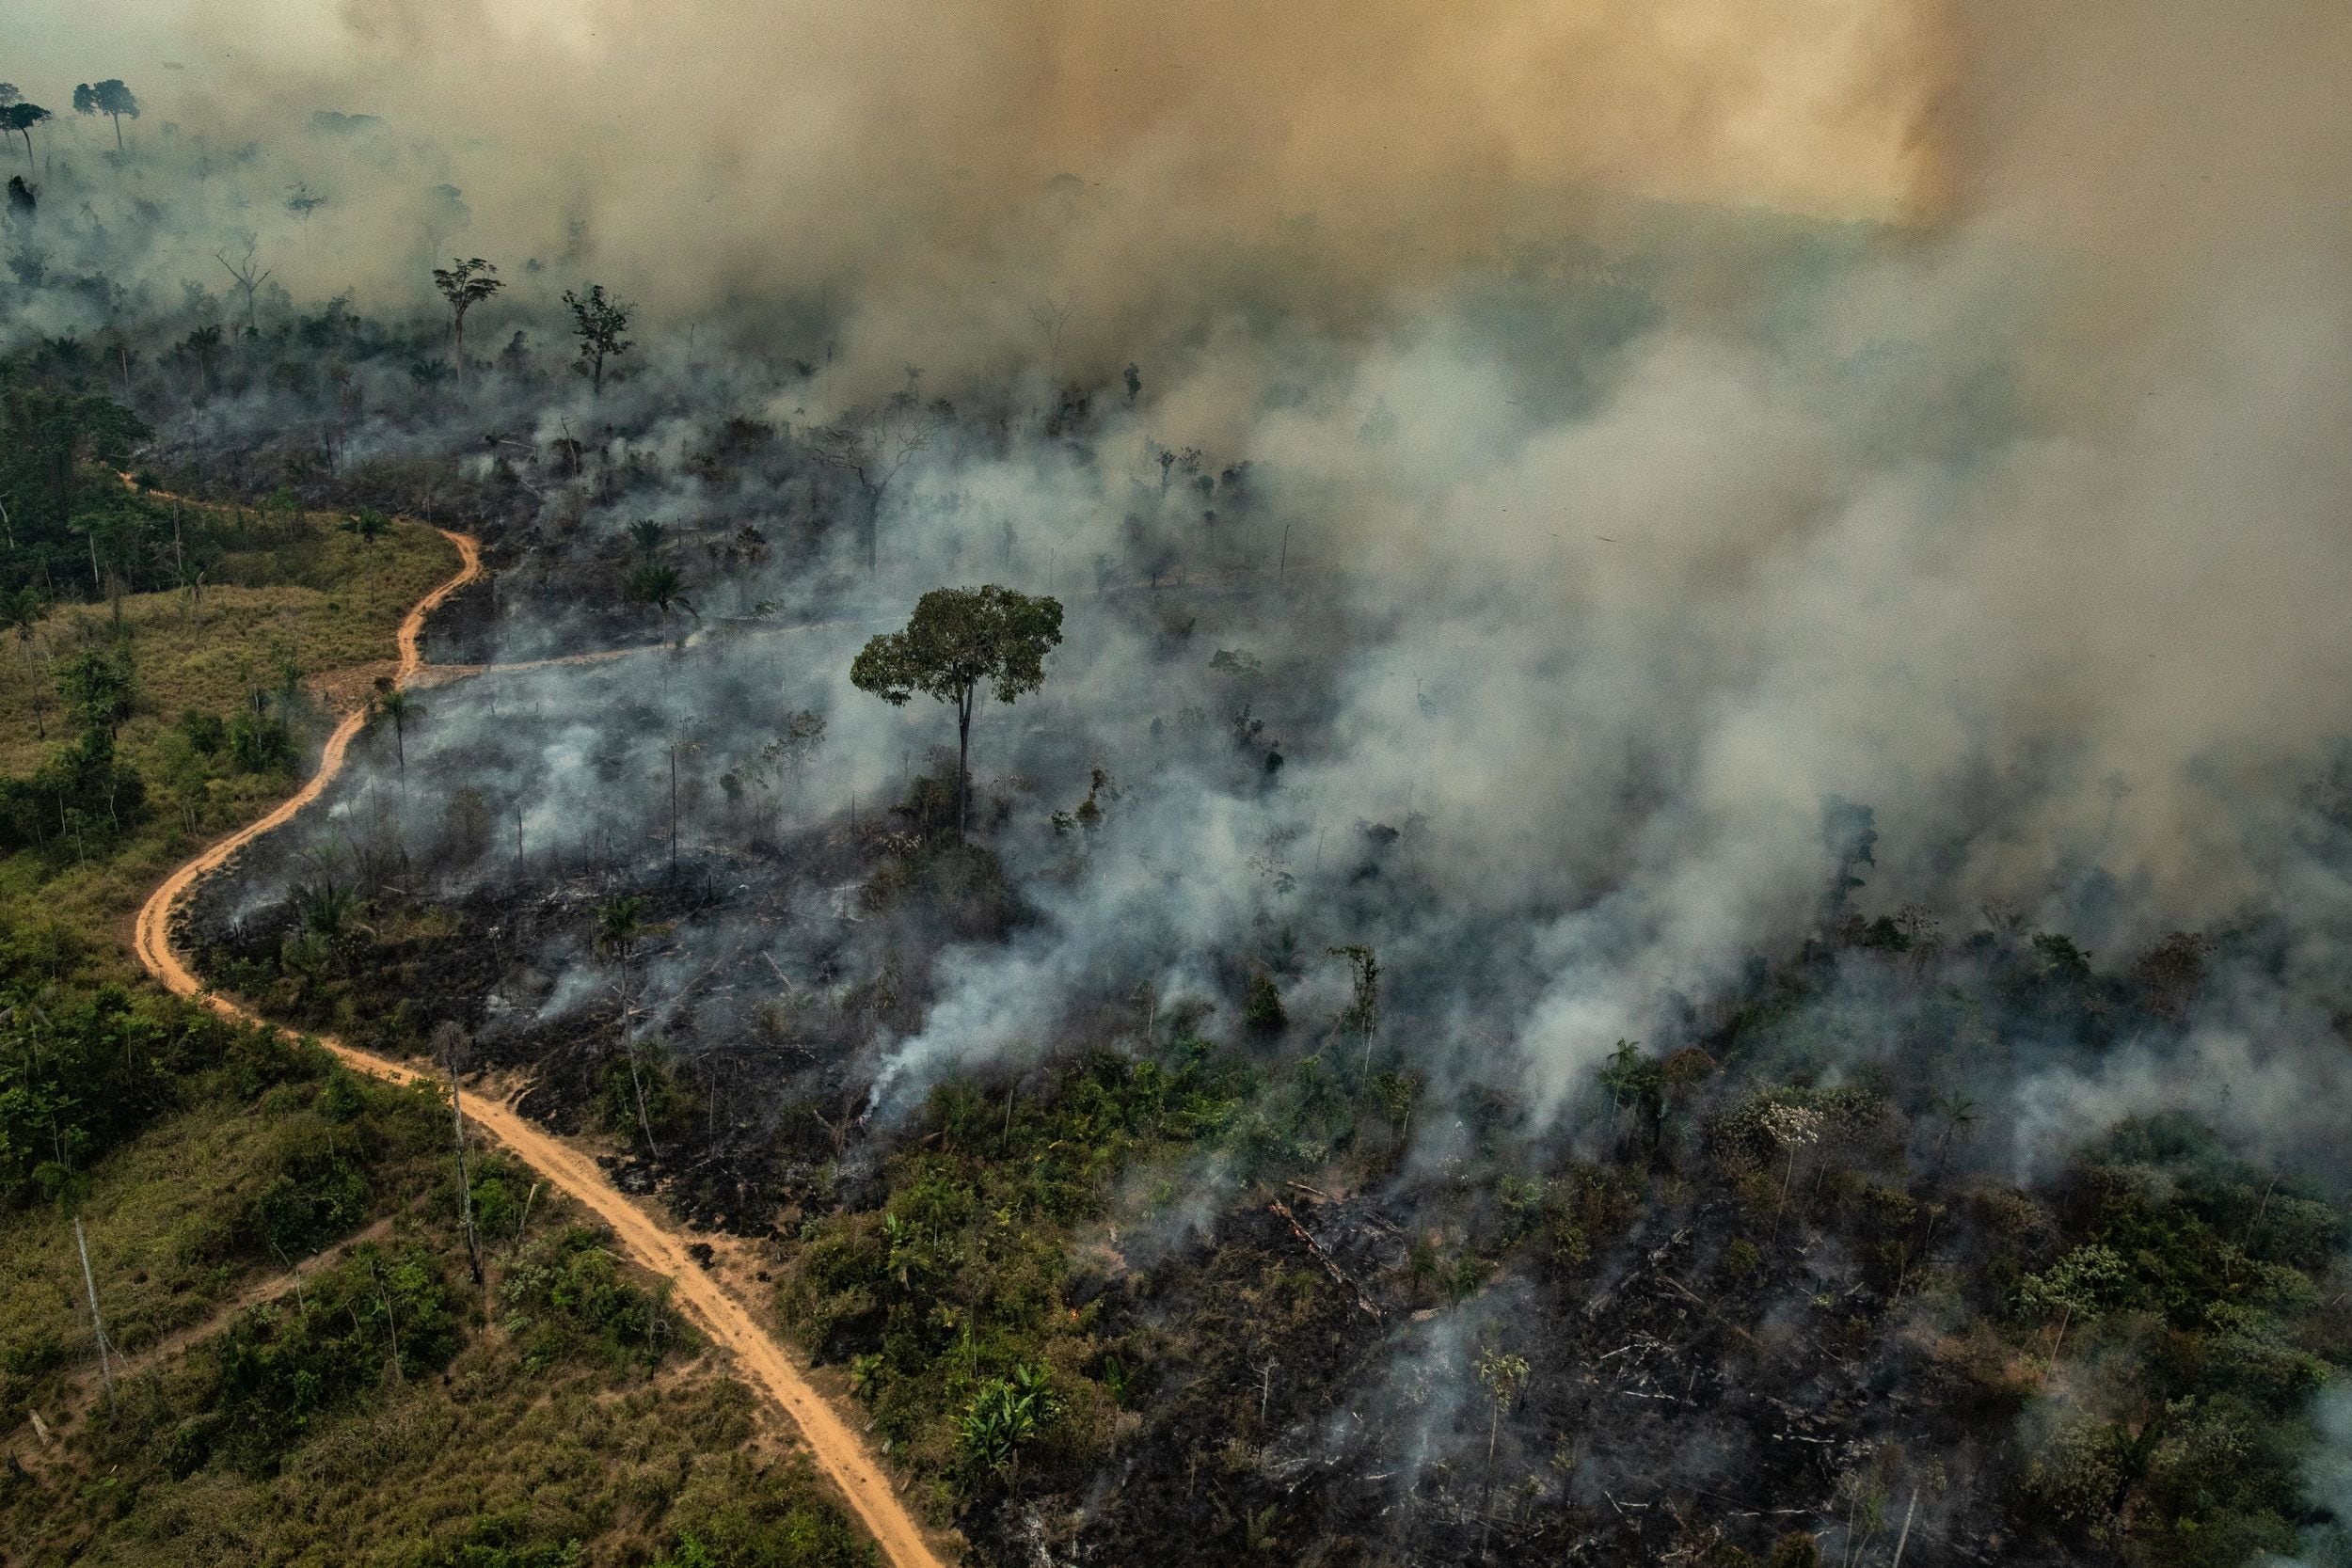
x: 649, y: 1239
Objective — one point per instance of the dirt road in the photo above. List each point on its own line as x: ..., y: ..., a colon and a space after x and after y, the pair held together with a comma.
x: 648, y: 1238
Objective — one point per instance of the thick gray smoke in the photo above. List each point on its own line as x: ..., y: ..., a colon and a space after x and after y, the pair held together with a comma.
x: 1574, y: 454
x: 1588, y: 542
x: 932, y: 173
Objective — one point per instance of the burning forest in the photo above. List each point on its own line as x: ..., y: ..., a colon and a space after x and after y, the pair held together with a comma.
x: 1537, y: 783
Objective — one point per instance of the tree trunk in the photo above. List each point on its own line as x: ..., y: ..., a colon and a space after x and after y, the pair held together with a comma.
x: 97, y: 1324
x: 465, y: 1188
x: 1487, y: 1492
x: 644, y: 1123
x: 391, y: 1324
x: 1904, y: 1540
x: 963, y: 752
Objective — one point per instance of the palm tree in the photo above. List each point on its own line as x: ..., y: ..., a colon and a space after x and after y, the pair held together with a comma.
x: 396, y: 704
x: 647, y: 533
x: 191, y: 578
x: 368, y: 524
x: 325, y: 908
x: 661, y: 587
x: 619, y: 924
x: 1504, y: 1376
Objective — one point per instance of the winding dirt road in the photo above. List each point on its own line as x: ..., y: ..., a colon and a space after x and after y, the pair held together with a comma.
x: 648, y: 1239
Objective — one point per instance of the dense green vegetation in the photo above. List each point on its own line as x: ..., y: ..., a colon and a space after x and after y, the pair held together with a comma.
x: 947, y: 1301
x: 62, y: 504
x: 371, y: 1417
x: 574, y: 1422
x: 196, y: 1153
x: 128, y: 734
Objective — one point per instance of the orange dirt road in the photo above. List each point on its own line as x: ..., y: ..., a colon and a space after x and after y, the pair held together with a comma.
x: 651, y: 1241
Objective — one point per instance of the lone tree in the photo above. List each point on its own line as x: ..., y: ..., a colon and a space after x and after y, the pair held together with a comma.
x: 394, y: 702
x: 250, y: 275
x: 368, y: 524
x: 20, y: 117
x: 109, y: 97
x: 957, y: 637
x: 659, y: 586
x: 597, y: 320
x: 465, y: 285
x: 1504, y: 1376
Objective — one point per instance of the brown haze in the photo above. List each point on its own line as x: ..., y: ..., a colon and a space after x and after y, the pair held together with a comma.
x: 2131, y: 218
x: 951, y: 163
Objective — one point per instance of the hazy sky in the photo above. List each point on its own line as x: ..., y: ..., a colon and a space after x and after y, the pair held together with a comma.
x: 56, y: 43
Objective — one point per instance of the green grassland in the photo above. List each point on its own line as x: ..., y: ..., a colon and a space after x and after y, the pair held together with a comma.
x: 300, y: 604
x: 317, y: 595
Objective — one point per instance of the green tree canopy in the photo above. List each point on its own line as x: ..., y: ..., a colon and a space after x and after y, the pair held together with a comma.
x: 109, y: 97
x: 20, y: 117
x: 957, y: 637
x: 598, y: 319
x: 465, y: 284
x: 44, y: 438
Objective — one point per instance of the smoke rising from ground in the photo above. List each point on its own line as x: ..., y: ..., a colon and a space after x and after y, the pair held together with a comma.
x: 2002, y: 491
x: 1640, y: 530
x: 1617, y: 435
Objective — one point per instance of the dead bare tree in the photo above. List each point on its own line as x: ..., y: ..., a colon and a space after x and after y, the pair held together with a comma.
x: 248, y: 274
x: 449, y: 1041
x: 619, y: 926
x: 682, y: 740
x: 1052, y: 320
x: 98, y: 1324
x: 391, y: 1324
x: 872, y: 448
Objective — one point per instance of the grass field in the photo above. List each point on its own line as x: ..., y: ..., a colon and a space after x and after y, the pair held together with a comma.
x: 581, y: 1426
x: 173, y: 1226
x: 341, y: 614
x: 335, y: 627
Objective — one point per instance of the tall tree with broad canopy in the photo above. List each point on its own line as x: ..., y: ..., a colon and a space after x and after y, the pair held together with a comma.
x: 20, y: 117
x: 109, y: 97
x: 597, y: 320
x: 465, y: 284
x: 957, y: 637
